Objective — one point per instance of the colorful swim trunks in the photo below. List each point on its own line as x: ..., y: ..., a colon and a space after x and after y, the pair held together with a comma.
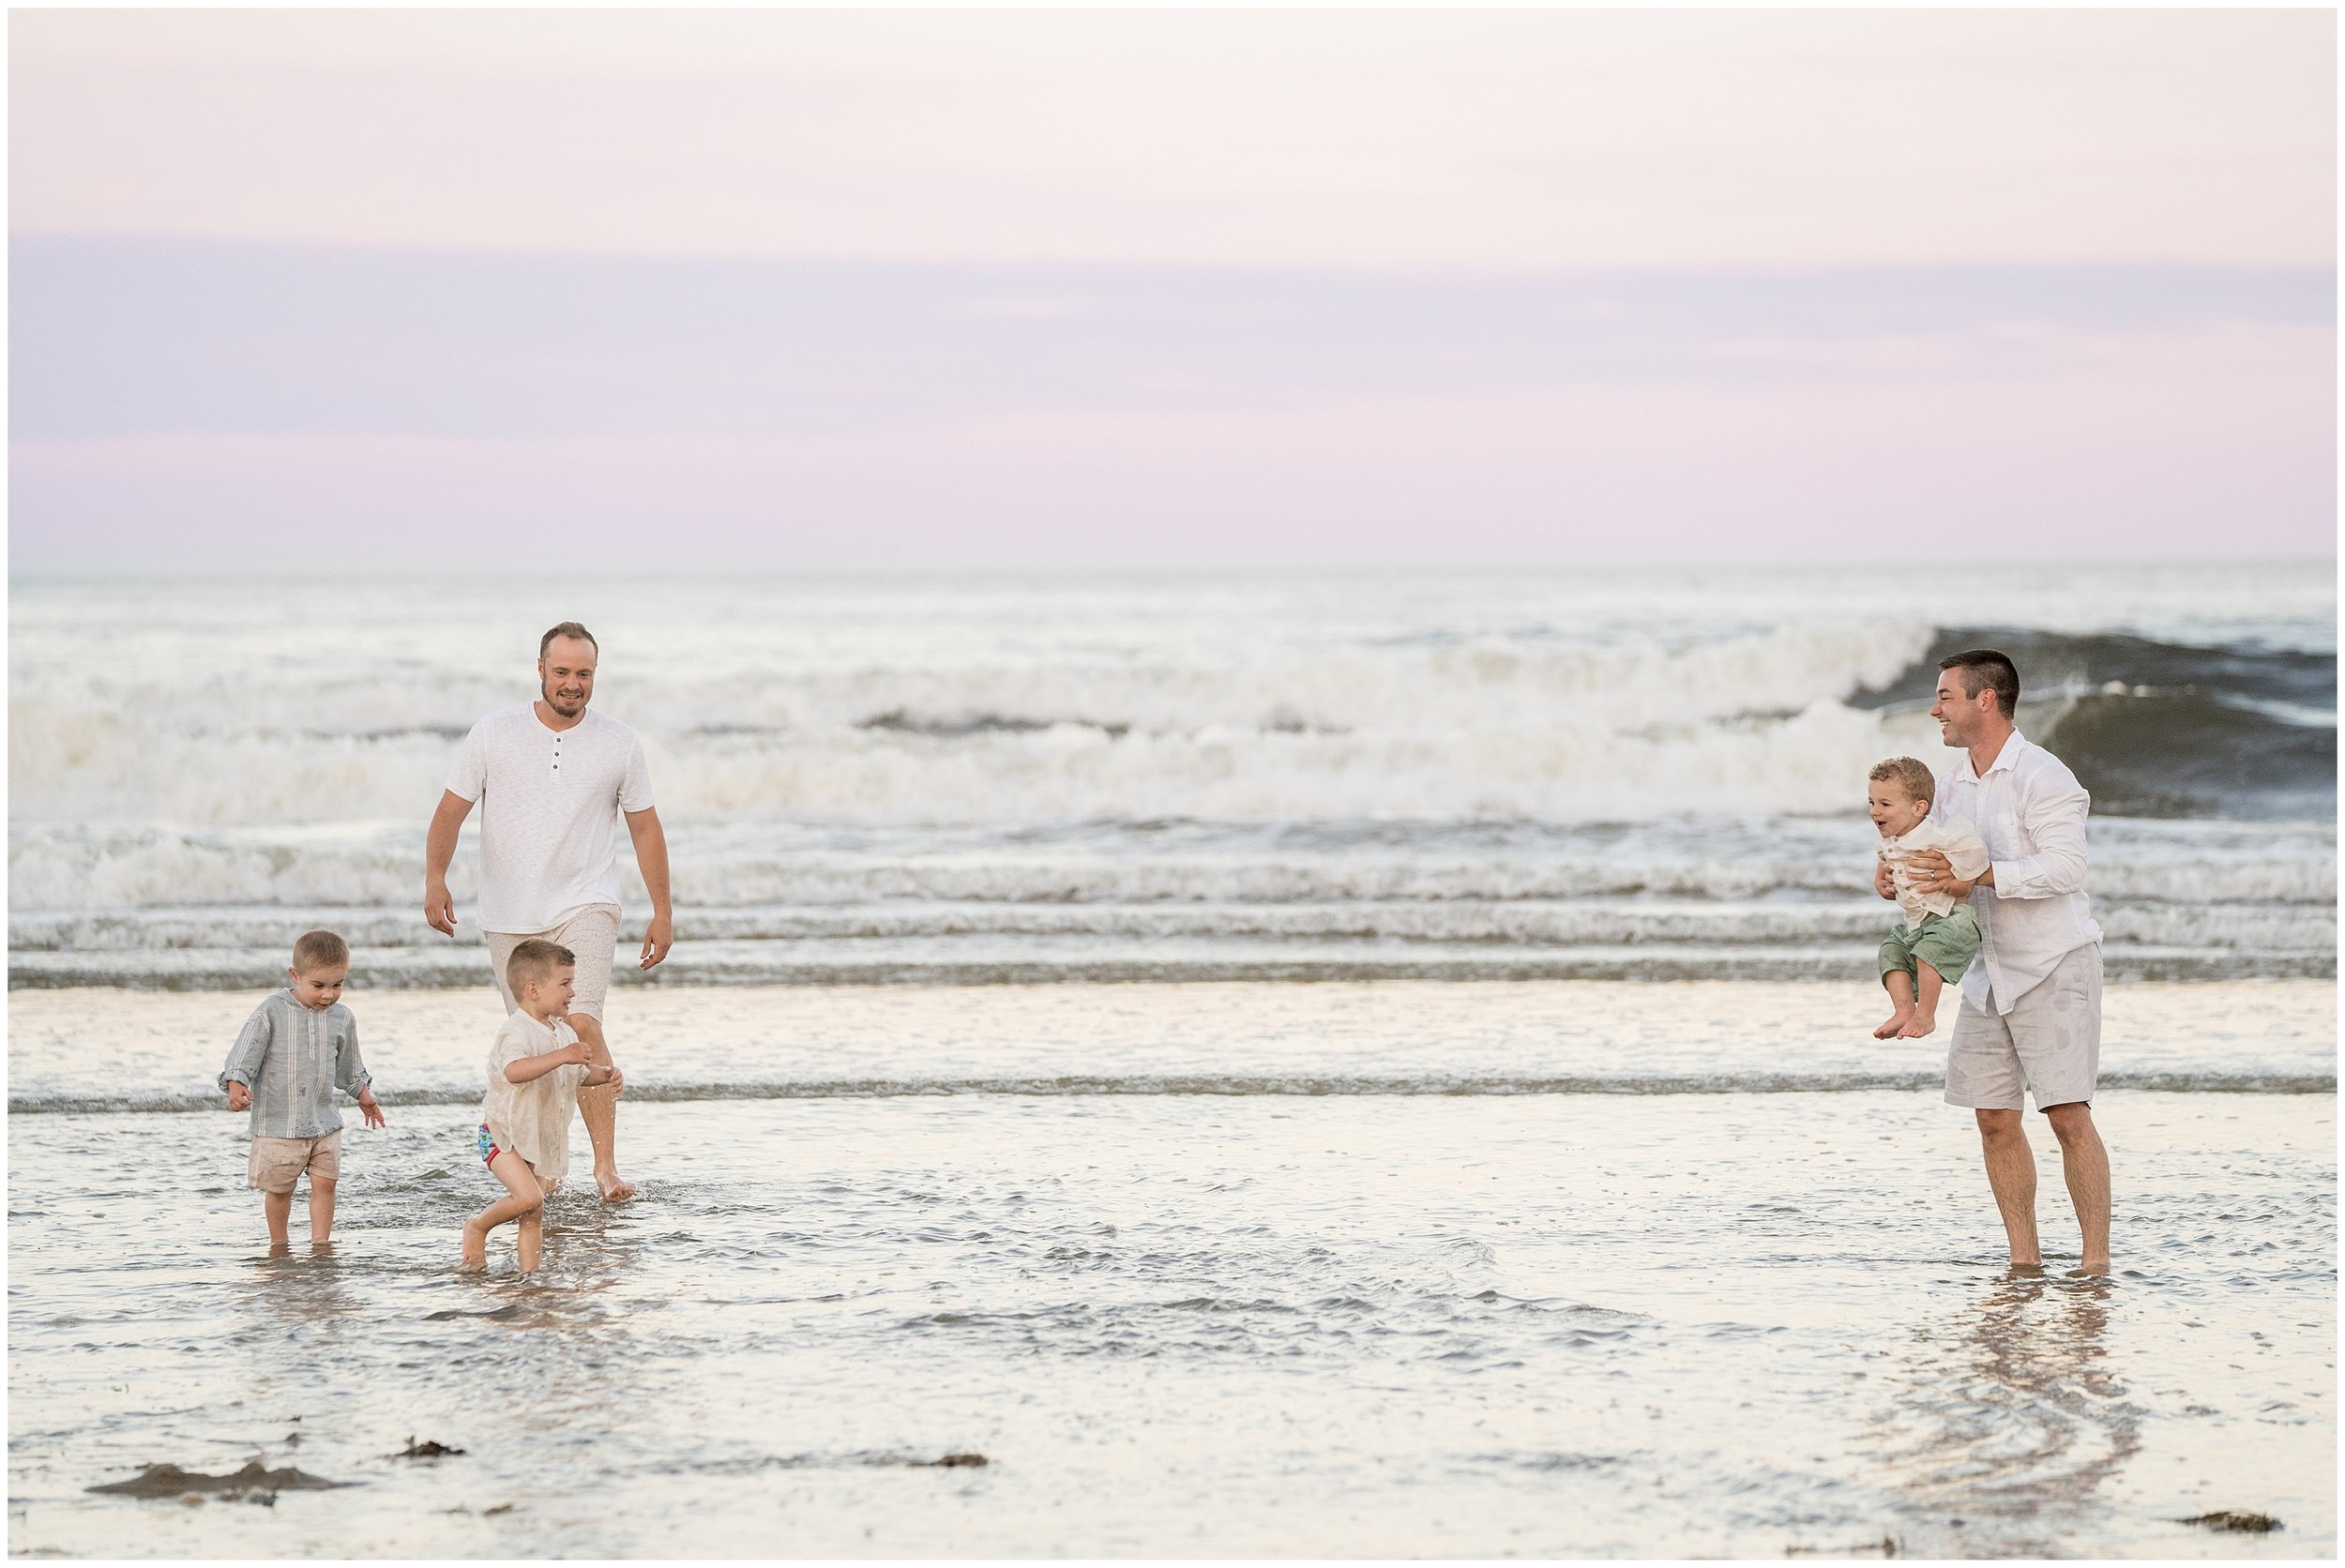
x: 488, y: 1151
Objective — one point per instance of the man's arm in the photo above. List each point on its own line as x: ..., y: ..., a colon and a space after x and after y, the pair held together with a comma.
x: 439, y: 848
x: 651, y: 858
x: 2052, y: 816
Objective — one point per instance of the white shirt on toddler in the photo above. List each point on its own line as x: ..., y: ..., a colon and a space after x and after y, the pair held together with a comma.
x: 1962, y: 849
x: 532, y: 1119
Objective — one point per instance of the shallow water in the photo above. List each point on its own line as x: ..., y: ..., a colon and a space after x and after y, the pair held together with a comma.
x: 1379, y: 1318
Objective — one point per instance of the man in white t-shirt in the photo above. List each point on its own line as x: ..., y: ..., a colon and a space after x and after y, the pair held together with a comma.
x: 553, y: 781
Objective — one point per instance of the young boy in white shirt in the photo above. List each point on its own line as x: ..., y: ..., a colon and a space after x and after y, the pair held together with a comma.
x: 1940, y: 936
x: 536, y: 1070
x: 293, y: 1055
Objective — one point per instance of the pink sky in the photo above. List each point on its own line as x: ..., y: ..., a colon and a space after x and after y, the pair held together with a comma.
x: 1168, y: 288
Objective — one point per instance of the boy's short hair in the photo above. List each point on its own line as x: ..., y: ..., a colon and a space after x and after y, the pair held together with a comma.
x: 1909, y: 774
x: 535, y: 959
x: 1984, y: 667
x: 315, y: 950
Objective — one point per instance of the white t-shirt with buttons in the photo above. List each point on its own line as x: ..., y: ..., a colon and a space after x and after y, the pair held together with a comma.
x: 550, y: 801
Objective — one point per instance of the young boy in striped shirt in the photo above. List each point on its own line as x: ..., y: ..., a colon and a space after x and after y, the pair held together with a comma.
x: 297, y: 1051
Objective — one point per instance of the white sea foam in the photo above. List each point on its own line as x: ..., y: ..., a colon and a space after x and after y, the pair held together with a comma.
x: 1533, y: 763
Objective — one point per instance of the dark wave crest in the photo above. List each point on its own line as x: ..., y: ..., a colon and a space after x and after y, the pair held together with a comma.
x: 2161, y: 728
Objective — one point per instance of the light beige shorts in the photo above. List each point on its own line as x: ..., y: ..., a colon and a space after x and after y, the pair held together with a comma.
x: 277, y: 1162
x: 592, y: 934
x: 2049, y: 1042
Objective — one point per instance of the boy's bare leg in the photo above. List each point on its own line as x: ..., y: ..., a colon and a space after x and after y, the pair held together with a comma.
x: 321, y: 1210
x: 600, y: 1110
x: 1901, y: 986
x: 522, y: 1199
x: 529, y: 1239
x: 278, y: 1208
x: 1924, y: 1014
x: 2011, y: 1172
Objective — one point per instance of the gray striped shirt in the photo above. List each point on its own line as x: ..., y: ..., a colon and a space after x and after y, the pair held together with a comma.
x: 294, y: 1058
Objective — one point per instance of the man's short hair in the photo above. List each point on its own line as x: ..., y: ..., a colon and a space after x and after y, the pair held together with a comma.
x: 316, y: 950
x: 567, y: 629
x: 535, y: 959
x: 1986, y: 667
x: 1907, y: 774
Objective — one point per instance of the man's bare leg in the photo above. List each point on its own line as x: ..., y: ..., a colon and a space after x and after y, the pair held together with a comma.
x: 2084, y: 1161
x: 1901, y: 987
x: 2011, y: 1171
x: 1924, y: 1014
x: 277, y: 1207
x: 321, y: 1210
x: 600, y: 1107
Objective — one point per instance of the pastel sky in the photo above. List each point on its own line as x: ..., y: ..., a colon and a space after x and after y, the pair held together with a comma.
x: 769, y: 290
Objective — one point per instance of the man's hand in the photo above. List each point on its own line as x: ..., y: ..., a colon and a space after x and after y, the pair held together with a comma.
x: 1930, y: 871
x: 368, y: 1108
x: 605, y: 1077
x: 657, y: 938
x: 239, y: 1097
x: 439, y: 910
x: 1885, y: 883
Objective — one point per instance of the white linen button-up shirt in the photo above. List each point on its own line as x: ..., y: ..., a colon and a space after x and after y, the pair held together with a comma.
x: 2029, y: 809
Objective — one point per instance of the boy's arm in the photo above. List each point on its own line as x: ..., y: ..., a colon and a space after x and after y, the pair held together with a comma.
x: 352, y: 1078
x: 245, y: 1057
x: 1966, y: 853
x: 528, y: 1069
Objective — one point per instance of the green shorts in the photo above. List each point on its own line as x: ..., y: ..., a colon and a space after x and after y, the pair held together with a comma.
x: 1946, y: 943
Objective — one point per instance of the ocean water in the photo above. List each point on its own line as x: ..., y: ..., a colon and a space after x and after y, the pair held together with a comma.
x: 1312, y: 1065
x: 1602, y: 774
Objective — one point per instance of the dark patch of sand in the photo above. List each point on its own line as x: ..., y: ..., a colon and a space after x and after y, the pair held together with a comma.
x: 170, y: 1481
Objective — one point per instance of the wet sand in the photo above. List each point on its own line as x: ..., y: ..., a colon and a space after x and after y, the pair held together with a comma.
x: 1356, y: 1322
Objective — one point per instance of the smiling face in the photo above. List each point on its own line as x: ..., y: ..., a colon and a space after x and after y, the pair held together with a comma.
x: 321, y: 987
x: 550, y: 996
x: 1962, y: 718
x: 1894, y: 812
x: 566, y: 676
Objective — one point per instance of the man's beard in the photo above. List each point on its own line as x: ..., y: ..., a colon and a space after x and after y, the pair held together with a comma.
x: 556, y: 704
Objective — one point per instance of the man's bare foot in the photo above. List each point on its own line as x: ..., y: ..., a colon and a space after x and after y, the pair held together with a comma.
x: 1896, y: 1021
x: 614, y: 1189
x: 476, y: 1245
x: 2092, y: 1266
x: 1918, y: 1025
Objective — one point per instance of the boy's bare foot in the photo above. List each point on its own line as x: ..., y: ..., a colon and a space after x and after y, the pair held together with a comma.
x: 476, y: 1245
x: 1896, y: 1021
x: 614, y: 1189
x: 1915, y: 1027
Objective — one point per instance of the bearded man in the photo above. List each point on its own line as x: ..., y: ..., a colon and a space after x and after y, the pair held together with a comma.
x: 553, y: 781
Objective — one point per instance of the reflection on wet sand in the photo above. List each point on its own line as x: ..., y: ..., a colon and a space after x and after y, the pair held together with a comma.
x: 298, y: 1286
x: 2011, y: 1419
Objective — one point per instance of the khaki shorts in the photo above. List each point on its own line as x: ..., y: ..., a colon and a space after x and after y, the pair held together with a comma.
x: 277, y: 1162
x: 2049, y: 1042
x: 592, y: 934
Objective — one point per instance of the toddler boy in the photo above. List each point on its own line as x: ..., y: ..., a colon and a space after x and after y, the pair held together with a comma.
x: 296, y: 1050
x: 536, y: 1070
x: 1940, y: 936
